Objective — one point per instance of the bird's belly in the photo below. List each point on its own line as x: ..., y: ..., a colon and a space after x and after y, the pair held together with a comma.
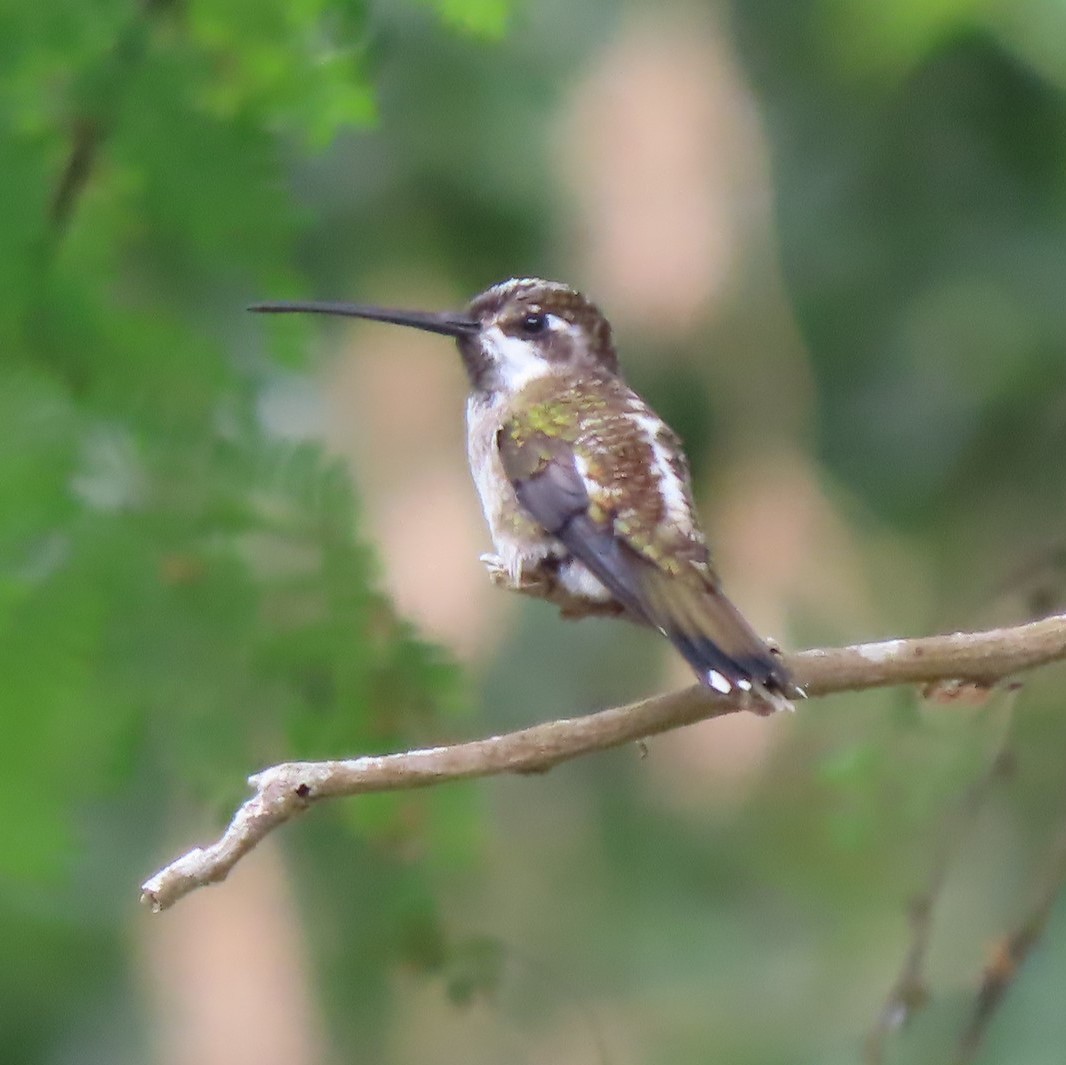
x: 526, y: 550
x: 522, y: 545
x: 518, y: 539
x: 578, y: 580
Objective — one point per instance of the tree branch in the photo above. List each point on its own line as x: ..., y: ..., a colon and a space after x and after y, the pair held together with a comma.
x: 909, y: 992
x: 89, y: 130
x: 1010, y: 955
x: 282, y: 791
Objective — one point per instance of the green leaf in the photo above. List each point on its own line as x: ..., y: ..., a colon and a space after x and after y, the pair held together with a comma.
x: 480, y: 18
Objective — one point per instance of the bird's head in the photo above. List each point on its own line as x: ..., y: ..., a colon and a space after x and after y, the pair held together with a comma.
x: 509, y: 335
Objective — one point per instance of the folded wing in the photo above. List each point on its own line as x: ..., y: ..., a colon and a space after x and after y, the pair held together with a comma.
x: 677, y: 595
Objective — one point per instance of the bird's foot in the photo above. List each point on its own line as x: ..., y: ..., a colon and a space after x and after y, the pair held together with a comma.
x: 766, y: 703
x: 541, y: 582
x: 535, y: 580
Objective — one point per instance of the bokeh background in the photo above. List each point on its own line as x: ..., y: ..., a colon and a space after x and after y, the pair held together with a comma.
x: 831, y: 236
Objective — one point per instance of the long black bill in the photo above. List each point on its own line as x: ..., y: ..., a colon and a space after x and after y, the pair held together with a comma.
x: 450, y: 323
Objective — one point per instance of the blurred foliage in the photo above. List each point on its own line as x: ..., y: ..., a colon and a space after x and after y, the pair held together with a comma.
x: 922, y: 227
x: 185, y: 593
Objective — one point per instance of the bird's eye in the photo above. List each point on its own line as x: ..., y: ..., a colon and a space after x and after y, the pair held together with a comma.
x: 534, y: 323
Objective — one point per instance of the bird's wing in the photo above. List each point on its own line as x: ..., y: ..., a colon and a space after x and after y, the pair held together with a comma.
x: 550, y: 488
x: 596, y: 486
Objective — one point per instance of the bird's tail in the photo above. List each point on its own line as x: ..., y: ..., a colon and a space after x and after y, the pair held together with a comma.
x: 713, y: 637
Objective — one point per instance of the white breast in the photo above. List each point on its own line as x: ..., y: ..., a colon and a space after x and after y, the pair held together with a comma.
x: 482, y: 424
x: 484, y: 416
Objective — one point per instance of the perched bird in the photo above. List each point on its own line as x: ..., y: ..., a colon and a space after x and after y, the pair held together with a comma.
x: 585, y: 488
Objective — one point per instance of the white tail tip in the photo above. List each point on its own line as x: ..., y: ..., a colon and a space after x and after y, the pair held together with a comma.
x: 718, y: 681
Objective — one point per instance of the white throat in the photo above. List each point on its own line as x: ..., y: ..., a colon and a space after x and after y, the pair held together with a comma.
x: 515, y: 359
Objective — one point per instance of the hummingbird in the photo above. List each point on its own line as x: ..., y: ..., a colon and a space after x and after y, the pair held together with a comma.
x: 585, y: 489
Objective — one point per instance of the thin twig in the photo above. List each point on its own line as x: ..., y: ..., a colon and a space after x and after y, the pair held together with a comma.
x: 86, y: 137
x: 287, y: 789
x: 1011, y: 953
x: 908, y: 993
x: 89, y: 131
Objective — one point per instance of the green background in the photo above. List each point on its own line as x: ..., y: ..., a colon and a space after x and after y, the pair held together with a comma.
x: 832, y: 237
